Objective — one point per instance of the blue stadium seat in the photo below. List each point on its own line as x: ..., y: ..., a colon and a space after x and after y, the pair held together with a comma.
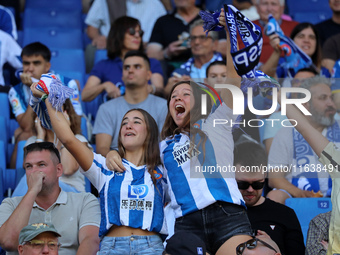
x: 3, y: 130
x: 54, y: 37
x: 52, y: 17
x: 307, y: 6
x: 307, y: 208
x: 4, y: 106
x: 100, y: 55
x: 72, y: 75
x: 92, y: 107
x: 84, y: 128
x: 2, y: 155
x: 65, y: 4
x: 12, y: 126
x: 312, y: 17
x: 68, y: 60
x: 20, y: 155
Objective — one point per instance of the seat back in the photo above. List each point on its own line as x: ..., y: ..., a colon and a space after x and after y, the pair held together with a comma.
x: 52, y: 16
x: 307, y: 208
x: 54, y: 37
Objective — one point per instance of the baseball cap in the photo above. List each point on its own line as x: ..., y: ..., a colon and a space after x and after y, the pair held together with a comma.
x: 185, y: 243
x: 31, y: 231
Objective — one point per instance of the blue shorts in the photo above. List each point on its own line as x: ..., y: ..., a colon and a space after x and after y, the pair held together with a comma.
x: 131, y: 245
x: 216, y: 223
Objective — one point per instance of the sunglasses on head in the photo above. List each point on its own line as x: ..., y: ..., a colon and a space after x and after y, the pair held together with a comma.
x: 132, y: 31
x: 251, y: 244
x: 245, y: 185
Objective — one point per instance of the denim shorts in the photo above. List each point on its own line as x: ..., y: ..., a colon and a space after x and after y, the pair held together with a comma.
x: 131, y: 245
x: 216, y: 223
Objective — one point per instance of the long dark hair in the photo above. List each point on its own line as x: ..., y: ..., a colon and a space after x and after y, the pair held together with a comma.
x: 115, y: 39
x: 170, y: 128
x: 74, y: 118
x: 151, y: 156
x: 316, y: 57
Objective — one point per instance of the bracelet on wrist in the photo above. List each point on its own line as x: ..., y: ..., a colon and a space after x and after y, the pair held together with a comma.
x: 39, y: 140
x: 43, y: 97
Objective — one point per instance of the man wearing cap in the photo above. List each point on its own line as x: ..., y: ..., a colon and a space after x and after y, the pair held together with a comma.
x: 38, y: 238
x: 77, y: 215
x: 185, y: 243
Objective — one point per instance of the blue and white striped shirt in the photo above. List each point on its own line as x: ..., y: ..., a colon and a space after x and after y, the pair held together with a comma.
x: 197, y: 181
x: 129, y: 198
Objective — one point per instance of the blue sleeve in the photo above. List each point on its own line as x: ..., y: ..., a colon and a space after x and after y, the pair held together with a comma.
x: 155, y: 66
x: 324, y: 72
x: 98, y: 70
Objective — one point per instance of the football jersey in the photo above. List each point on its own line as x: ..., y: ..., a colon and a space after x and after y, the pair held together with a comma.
x: 129, y: 198
x: 19, y: 96
x: 197, y: 176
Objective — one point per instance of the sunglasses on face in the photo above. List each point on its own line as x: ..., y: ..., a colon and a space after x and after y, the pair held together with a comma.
x: 251, y: 244
x: 245, y: 185
x: 132, y: 31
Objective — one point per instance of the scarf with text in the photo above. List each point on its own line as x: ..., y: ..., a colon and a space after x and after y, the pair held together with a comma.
x: 57, y: 94
x: 295, y: 58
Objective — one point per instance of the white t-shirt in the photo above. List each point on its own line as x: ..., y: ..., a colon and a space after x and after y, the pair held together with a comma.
x: 10, y: 52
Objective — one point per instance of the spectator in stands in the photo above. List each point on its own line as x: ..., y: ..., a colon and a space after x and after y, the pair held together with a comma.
x: 306, y: 37
x: 261, y: 244
x: 331, y: 52
x: 330, y: 26
x: 276, y: 8
x: 133, y: 220
x: 216, y: 73
x: 38, y: 237
x: 170, y: 43
x: 36, y: 61
x: 279, y: 221
x: 104, y: 12
x: 271, y: 127
x: 106, y: 76
x: 170, y: 33
x: 7, y: 22
x: 247, y: 8
x: 77, y: 215
x: 330, y: 157
x: 317, y: 237
x: 286, y: 150
x: 10, y: 53
x: 203, y: 49
x: 71, y: 180
x: 136, y: 73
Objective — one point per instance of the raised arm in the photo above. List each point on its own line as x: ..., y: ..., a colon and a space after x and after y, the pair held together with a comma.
x: 81, y: 153
x: 233, y: 77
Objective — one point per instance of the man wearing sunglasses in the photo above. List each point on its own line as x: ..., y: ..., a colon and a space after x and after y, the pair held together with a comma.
x: 277, y: 220
x: 262, y: 244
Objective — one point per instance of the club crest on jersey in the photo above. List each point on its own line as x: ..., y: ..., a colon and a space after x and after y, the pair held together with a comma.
x: 182, y: 153
x: 138, y: 191
x: 157, y: 175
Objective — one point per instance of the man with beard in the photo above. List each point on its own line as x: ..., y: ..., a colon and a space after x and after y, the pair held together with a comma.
x: 278, y: 221
x: 298, y: 173
x: 77, y: 215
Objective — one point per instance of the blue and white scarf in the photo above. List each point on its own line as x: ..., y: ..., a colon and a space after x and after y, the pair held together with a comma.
x: 304, y: 158
x: 58, y: 93
x: 245, y: 60
x: 295, y: 58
